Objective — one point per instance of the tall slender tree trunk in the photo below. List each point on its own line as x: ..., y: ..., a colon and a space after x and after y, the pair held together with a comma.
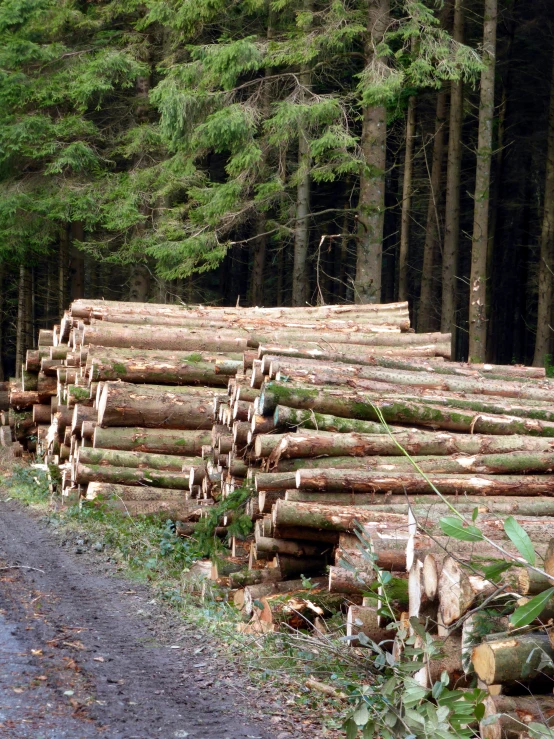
x: 546, y: 265
x: 371, y: 203
x: 300, y: 272
x: 478, y: 278
x: 20, y: 345
x: 428, y: 313
x: 30, y: 311
x: 77, y: 260
x: 452, y: 203
x: 63, y: 257
x: 406, y: 200
x: 260, y: 243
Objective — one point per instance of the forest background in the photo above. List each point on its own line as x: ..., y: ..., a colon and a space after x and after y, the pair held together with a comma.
x: 281, y: 152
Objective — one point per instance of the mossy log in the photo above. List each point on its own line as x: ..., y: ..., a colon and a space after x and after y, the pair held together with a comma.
x: 416, y: 443
x: 513, y: 658
x: 330, y: 518
x: 130, y: 476
x: 422, y: 504
x: 512, y: 463
x: 156, y: 370
x: 82, y: 413
x: 19, y: 399
x: 123, y: 404
x: 101, y: 491
x: 285, y: 417
x: 157, y: 441
x: 413, y: 482
x: 254, y: 577
x: 75, y: 394
x: 118, y: 458
x: 359, y: 406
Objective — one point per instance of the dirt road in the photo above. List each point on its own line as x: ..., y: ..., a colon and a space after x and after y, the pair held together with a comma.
x: 81, y: 655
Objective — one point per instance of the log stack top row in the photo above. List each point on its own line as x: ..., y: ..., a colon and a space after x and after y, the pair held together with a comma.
x: 168, y: 409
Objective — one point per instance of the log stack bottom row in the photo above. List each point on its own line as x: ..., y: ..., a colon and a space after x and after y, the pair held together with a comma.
x: 168, y: 409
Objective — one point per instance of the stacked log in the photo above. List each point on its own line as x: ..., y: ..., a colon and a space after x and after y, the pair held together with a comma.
x: 169, y: 408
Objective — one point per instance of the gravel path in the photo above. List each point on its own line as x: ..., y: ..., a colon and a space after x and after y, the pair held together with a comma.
x: 81, y: 655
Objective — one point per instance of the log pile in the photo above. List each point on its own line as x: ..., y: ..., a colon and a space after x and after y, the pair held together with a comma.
x: 168, y: 409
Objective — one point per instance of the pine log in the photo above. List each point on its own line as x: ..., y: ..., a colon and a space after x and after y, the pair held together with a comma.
x: 45, y: 337
x: 253, y: 577
x: 157, y: 441
x: 274, y: 480
x: 389, y: 550
x: 422, y: 504
x: 293, y: 566
x: 458, y: 591
x: 42, y: 413
x: 155, y: 369
x: 342, y: 580
x: 489, y: 464
x: 446, y: 368
x: 113, y: 457
x: 20, y: 399
x: 130, y: 476
x: 330, y: 518
x: 358, y: 406
x: 82, y: 413
x: 289, y: 547
x: 268, y: 498
x: 305, y: 534
x: 158, y: 337
x: 514, y: 713
x: 364, y: 620
x: 126, y: 405
x: 285, y: 417
x: 512, y: 659
x: 103, y: 491
x: 76, y: 394
x: 414, y: 442
x: 29, y: 380
x: 413, y: 482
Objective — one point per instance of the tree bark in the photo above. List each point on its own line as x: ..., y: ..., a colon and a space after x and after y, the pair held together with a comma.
x: 285, y: 417
x: 128, y: 405
x: 371, y: 201
x: 118, y: 458
x: 452, y: 203
x: 478, y: 278
x: 406, y: 215
x: 148, y: 337
x: 292, y: 446
x: 300, y: 272
x: 330, y: 518
x: 546, y: 263
x: 151, y: 368
x: 427, y: 312
x: 412, y: 482
x: 342, y: 580
x: 511, y: 659
x: 514, y: 713
x: 85, y: 474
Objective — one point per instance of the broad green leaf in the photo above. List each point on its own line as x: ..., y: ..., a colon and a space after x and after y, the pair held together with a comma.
x: 493, y: 572
x: 361, y: 715
x: 369, y: 730
x: 474, y: 514
x: 351, y: 729
x: 529, y: 612
x: 520, y: 539
x: 455, y: 528
x: 479, y: 711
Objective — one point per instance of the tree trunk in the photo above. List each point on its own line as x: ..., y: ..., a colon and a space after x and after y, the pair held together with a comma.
x: 156, y: 337
x: 139, y: 284
x: 412, y: 482
x: 300, y: 272
x: 285, y: 417
x: 511, y: 659
x: 155, y: 369
x: 289, y: 547
x: 331, y: 518
x: 513, y: 713
x: 63, y: 259
x: 128, y: 405
x: 21, y: 348
x: 428, y: 312
x: 406, y: 200
x: 478, y: 278
x: 452, y: 203
x: 130, y: 476
x: 371, y: 202
x: 342, y: 580
x: 546, y: 263
x: 119, y: 458
x: 291, y: 446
